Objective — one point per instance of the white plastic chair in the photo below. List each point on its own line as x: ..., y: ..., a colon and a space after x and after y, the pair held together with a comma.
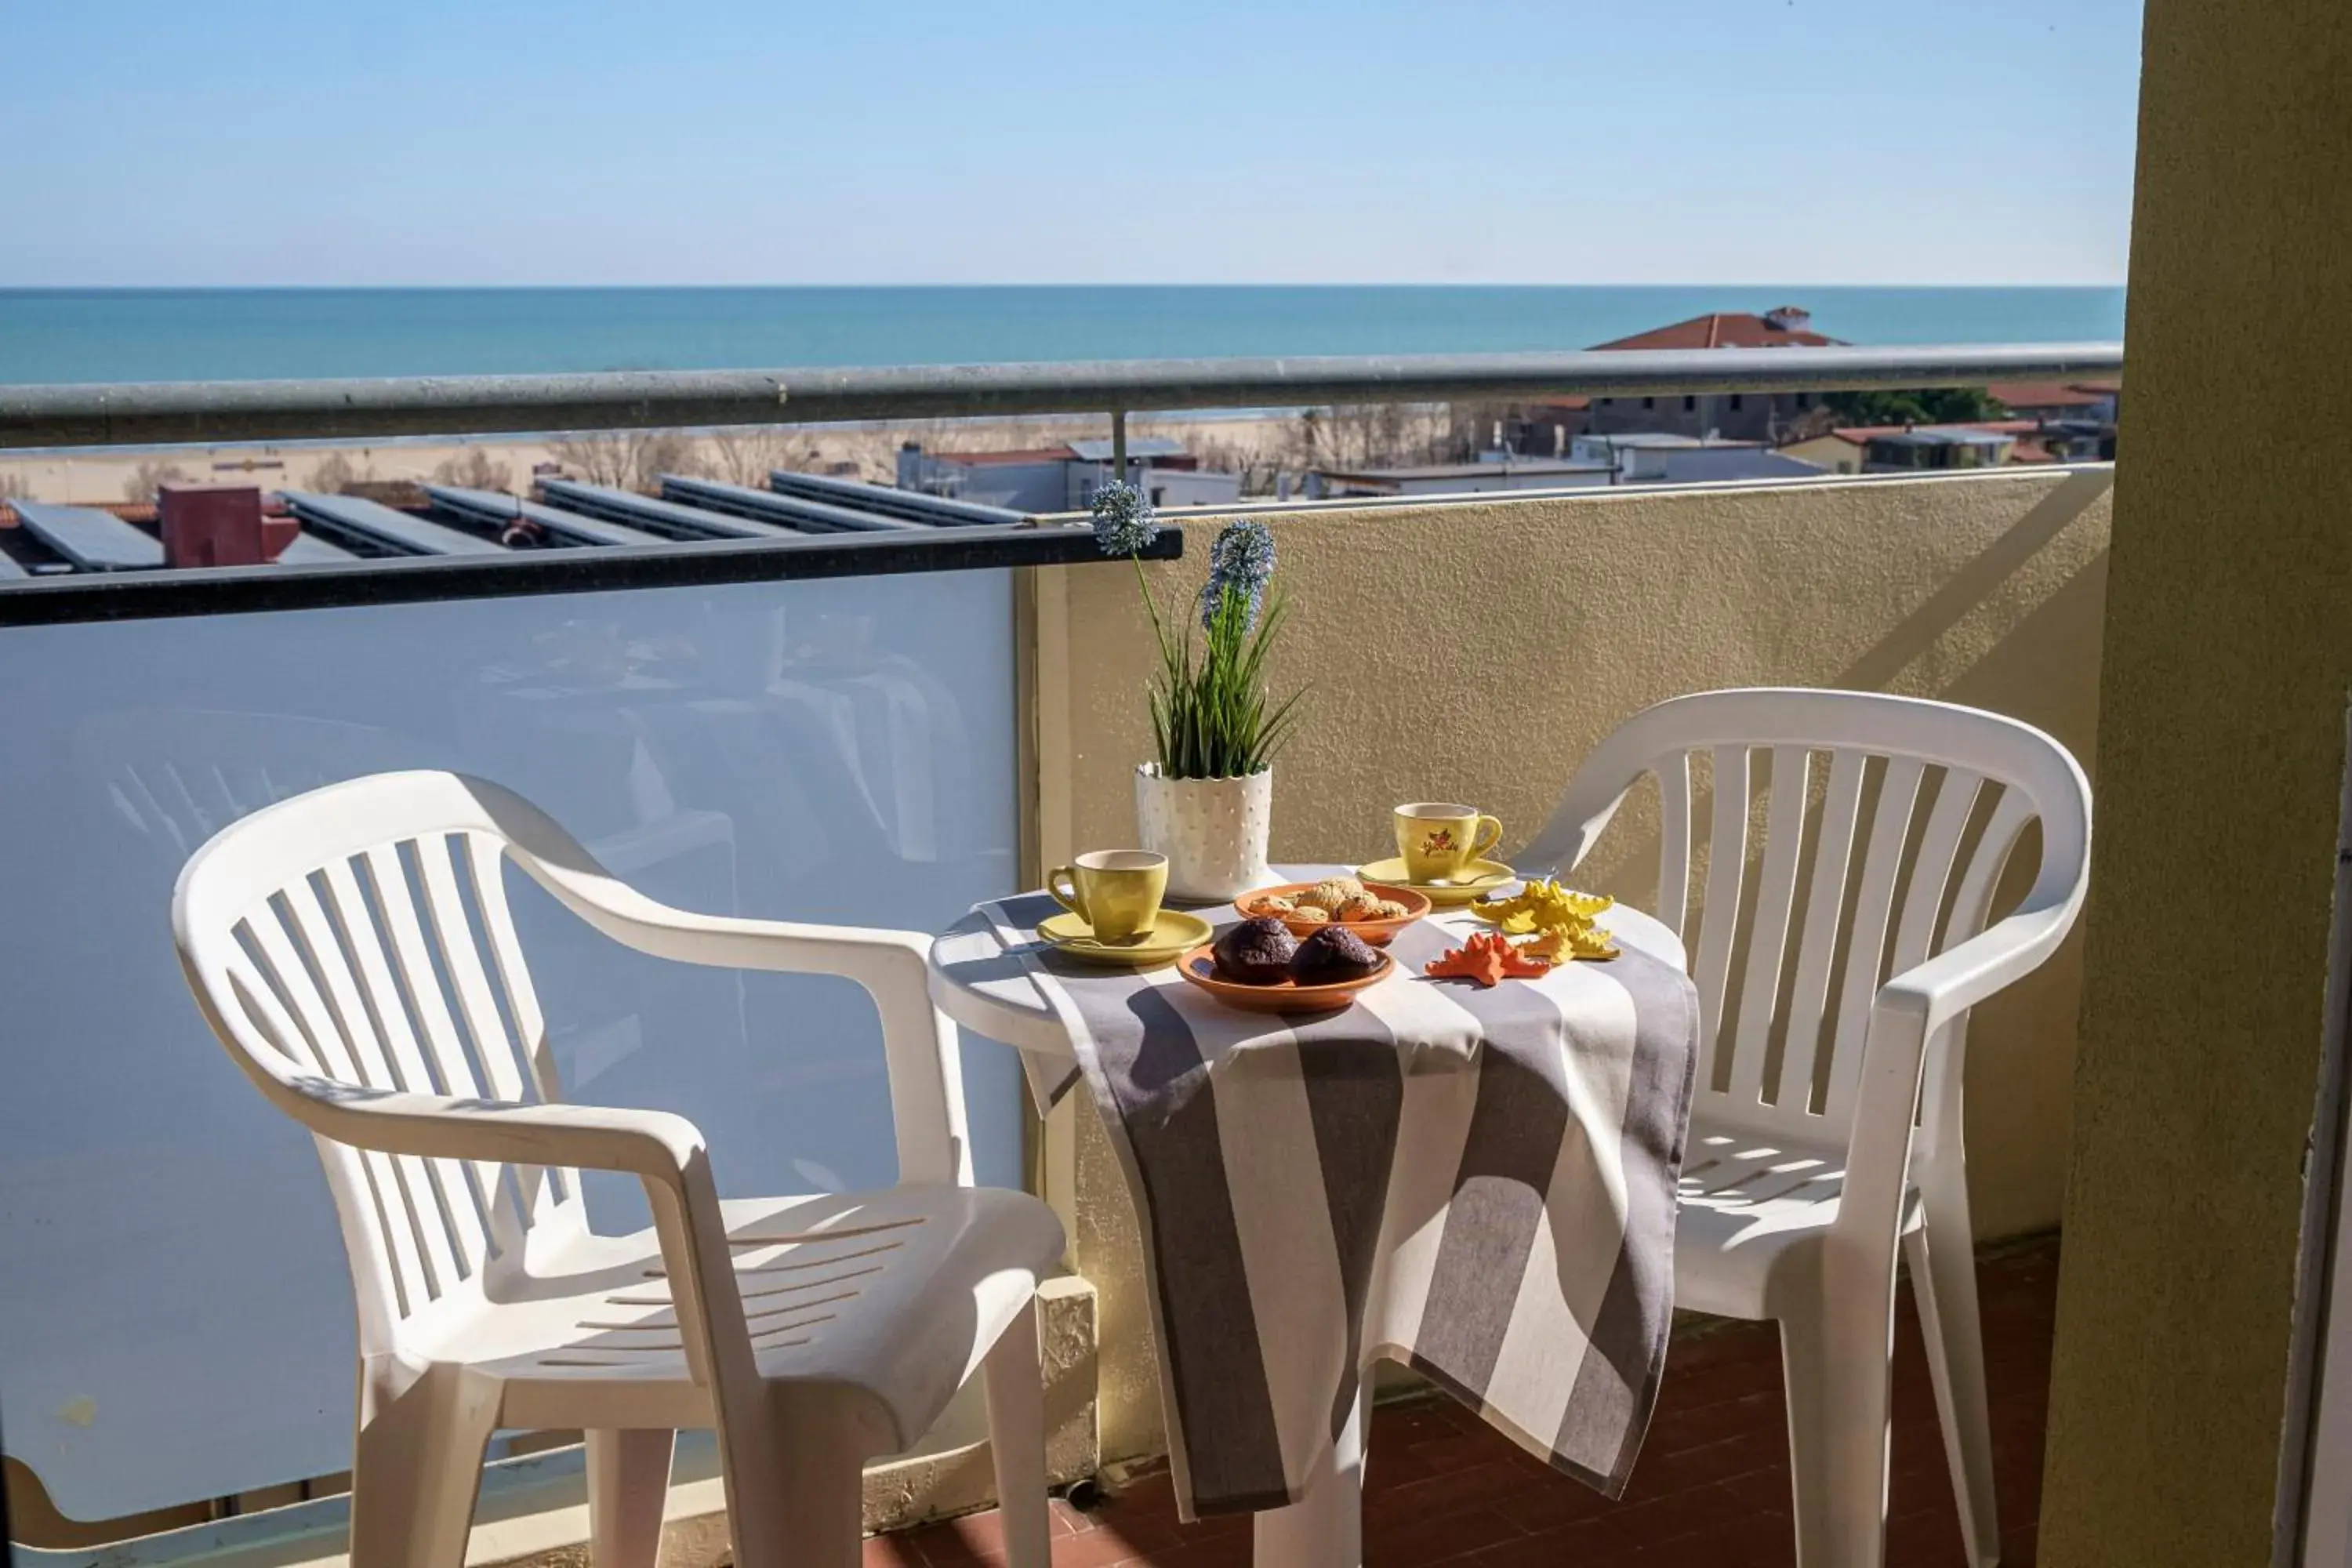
x: 353, y: 949
x: 1805, y: 1164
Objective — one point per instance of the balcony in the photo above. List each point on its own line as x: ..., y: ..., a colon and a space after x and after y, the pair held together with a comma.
x: 2174, y: 1088
x: 883, y: 725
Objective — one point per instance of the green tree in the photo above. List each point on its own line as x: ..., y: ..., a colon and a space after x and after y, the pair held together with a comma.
x: 1928, y: 405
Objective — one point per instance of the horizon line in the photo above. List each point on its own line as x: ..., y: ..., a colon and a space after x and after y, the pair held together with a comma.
x: 1407, y: 283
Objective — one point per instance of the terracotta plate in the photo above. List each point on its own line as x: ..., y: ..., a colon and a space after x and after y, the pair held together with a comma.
x: 1199, y: 967
x: 1379, y: 933
x: 1480, y: 877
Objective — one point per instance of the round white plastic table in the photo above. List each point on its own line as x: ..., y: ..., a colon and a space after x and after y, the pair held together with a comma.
x: 1325, y: 1528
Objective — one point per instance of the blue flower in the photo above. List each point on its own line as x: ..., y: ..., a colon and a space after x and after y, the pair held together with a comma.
x: 1241, y: 561
x: 1124, y: 524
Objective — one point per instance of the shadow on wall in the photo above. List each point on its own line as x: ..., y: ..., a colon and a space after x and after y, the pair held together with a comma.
x: 1978, y: 584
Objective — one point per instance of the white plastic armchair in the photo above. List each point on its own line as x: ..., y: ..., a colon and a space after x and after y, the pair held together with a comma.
x: 1827, y: 1122
x: 353, y: 949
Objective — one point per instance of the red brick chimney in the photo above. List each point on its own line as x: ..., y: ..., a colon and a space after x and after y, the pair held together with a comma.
x: 219, y: 525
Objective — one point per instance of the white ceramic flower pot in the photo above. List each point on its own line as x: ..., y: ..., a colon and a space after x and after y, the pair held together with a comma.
x: 1211, y: 830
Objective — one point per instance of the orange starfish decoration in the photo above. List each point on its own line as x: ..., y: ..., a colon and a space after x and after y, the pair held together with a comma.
x: 1487, y: 957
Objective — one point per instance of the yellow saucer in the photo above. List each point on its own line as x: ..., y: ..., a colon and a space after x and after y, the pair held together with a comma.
x: 1483, y: 876
x: 1171, y: 936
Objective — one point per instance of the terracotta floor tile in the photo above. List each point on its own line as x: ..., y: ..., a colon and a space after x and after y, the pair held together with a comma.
x: 1448, y: 1490
x: 1557, y: 1502
x: 1711, y: 1486
x: 1439, y: 1538
x: 891, y: 1551
x: 1588, y: 1543
x: 1226, y: 1552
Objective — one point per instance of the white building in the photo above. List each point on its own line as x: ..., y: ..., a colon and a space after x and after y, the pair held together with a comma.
x: 1065, y: 478
x: 1659, y: 458
x: 1458, y: 478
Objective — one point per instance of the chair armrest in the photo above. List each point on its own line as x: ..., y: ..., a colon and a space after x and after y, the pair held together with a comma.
x: 1906, y: 1014
x: 653, y: 1145
x: 919, y: 1044
x: 1949, y: 985
x: 663, y: 1150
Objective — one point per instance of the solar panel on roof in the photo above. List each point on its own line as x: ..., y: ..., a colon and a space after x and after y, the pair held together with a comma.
x: 667, y: 518
x: 498, y: 509
x: 92, y: 540
x: 912, y: 505
x: 787, y: 512
x: 351, y: 517
x: 310, y: 550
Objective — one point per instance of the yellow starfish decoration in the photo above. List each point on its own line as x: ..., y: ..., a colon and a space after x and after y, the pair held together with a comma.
x: 1560, y: 919
x: 1542, y: 905
x: 1560, y: 946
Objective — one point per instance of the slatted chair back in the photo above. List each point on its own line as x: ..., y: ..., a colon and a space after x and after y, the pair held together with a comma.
x: 1885, y: 825
x: 357, y: 940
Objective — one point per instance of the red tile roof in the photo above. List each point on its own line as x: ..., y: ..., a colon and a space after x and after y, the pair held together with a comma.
x: 1722, y: 329
x: 1860, y: 433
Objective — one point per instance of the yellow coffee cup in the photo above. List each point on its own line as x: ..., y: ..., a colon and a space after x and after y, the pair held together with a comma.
x: 1116, y: 891
x: 1439, y: 839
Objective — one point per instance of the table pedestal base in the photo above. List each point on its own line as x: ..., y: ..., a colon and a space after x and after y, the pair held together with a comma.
x: 1325, y: 1529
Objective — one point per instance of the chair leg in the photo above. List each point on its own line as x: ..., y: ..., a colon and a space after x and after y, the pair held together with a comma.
x: 813, y: 1510
x: 415, y: 1470
x: 628, y: 1483
x: 1017, y: 1439
x: 1944, y: 1283
x: 1837, y: 1447
x: 1805, y: 1370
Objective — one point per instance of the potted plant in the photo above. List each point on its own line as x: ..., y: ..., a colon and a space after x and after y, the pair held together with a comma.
x: 1206, y: 798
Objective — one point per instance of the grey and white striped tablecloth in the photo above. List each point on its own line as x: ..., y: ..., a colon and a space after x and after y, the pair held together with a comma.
x: 1478, y: 1183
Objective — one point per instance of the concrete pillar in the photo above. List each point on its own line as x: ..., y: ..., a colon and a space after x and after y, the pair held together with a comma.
x: 2228, y: 657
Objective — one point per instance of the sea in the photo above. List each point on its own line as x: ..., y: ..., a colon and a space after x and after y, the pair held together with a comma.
x: 205, y: 334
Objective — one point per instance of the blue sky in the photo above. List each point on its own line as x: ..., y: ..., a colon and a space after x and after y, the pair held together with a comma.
x: 466, y: 141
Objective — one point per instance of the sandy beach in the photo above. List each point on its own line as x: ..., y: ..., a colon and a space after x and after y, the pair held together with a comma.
x: 1255, y: 445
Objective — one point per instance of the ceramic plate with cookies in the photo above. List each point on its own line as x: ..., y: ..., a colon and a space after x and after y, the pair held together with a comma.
x: 1375, y: 911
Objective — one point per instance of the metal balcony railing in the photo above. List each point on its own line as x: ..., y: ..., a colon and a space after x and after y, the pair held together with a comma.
x: 152, y: 413
x: 802, y: 532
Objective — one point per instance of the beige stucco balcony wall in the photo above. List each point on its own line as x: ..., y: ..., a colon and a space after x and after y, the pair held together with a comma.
x: 1477, y: 650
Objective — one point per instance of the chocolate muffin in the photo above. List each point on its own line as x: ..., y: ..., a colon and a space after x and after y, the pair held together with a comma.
x: 1256, y: 952
x: 1334, y: 953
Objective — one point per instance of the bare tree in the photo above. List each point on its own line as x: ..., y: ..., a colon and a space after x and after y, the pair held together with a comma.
x: 629, y: 460
x: 1255, y: 461
x: 873, y: 449
x: 337, y: 473
x: 599, y: 458
x: 745, y: 455
x: 1369, y: 435
x: 473, y: 469
x: 1471, y: 426
x: 16, y: 487
x: 150, y: 476
x: 663, y: 452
